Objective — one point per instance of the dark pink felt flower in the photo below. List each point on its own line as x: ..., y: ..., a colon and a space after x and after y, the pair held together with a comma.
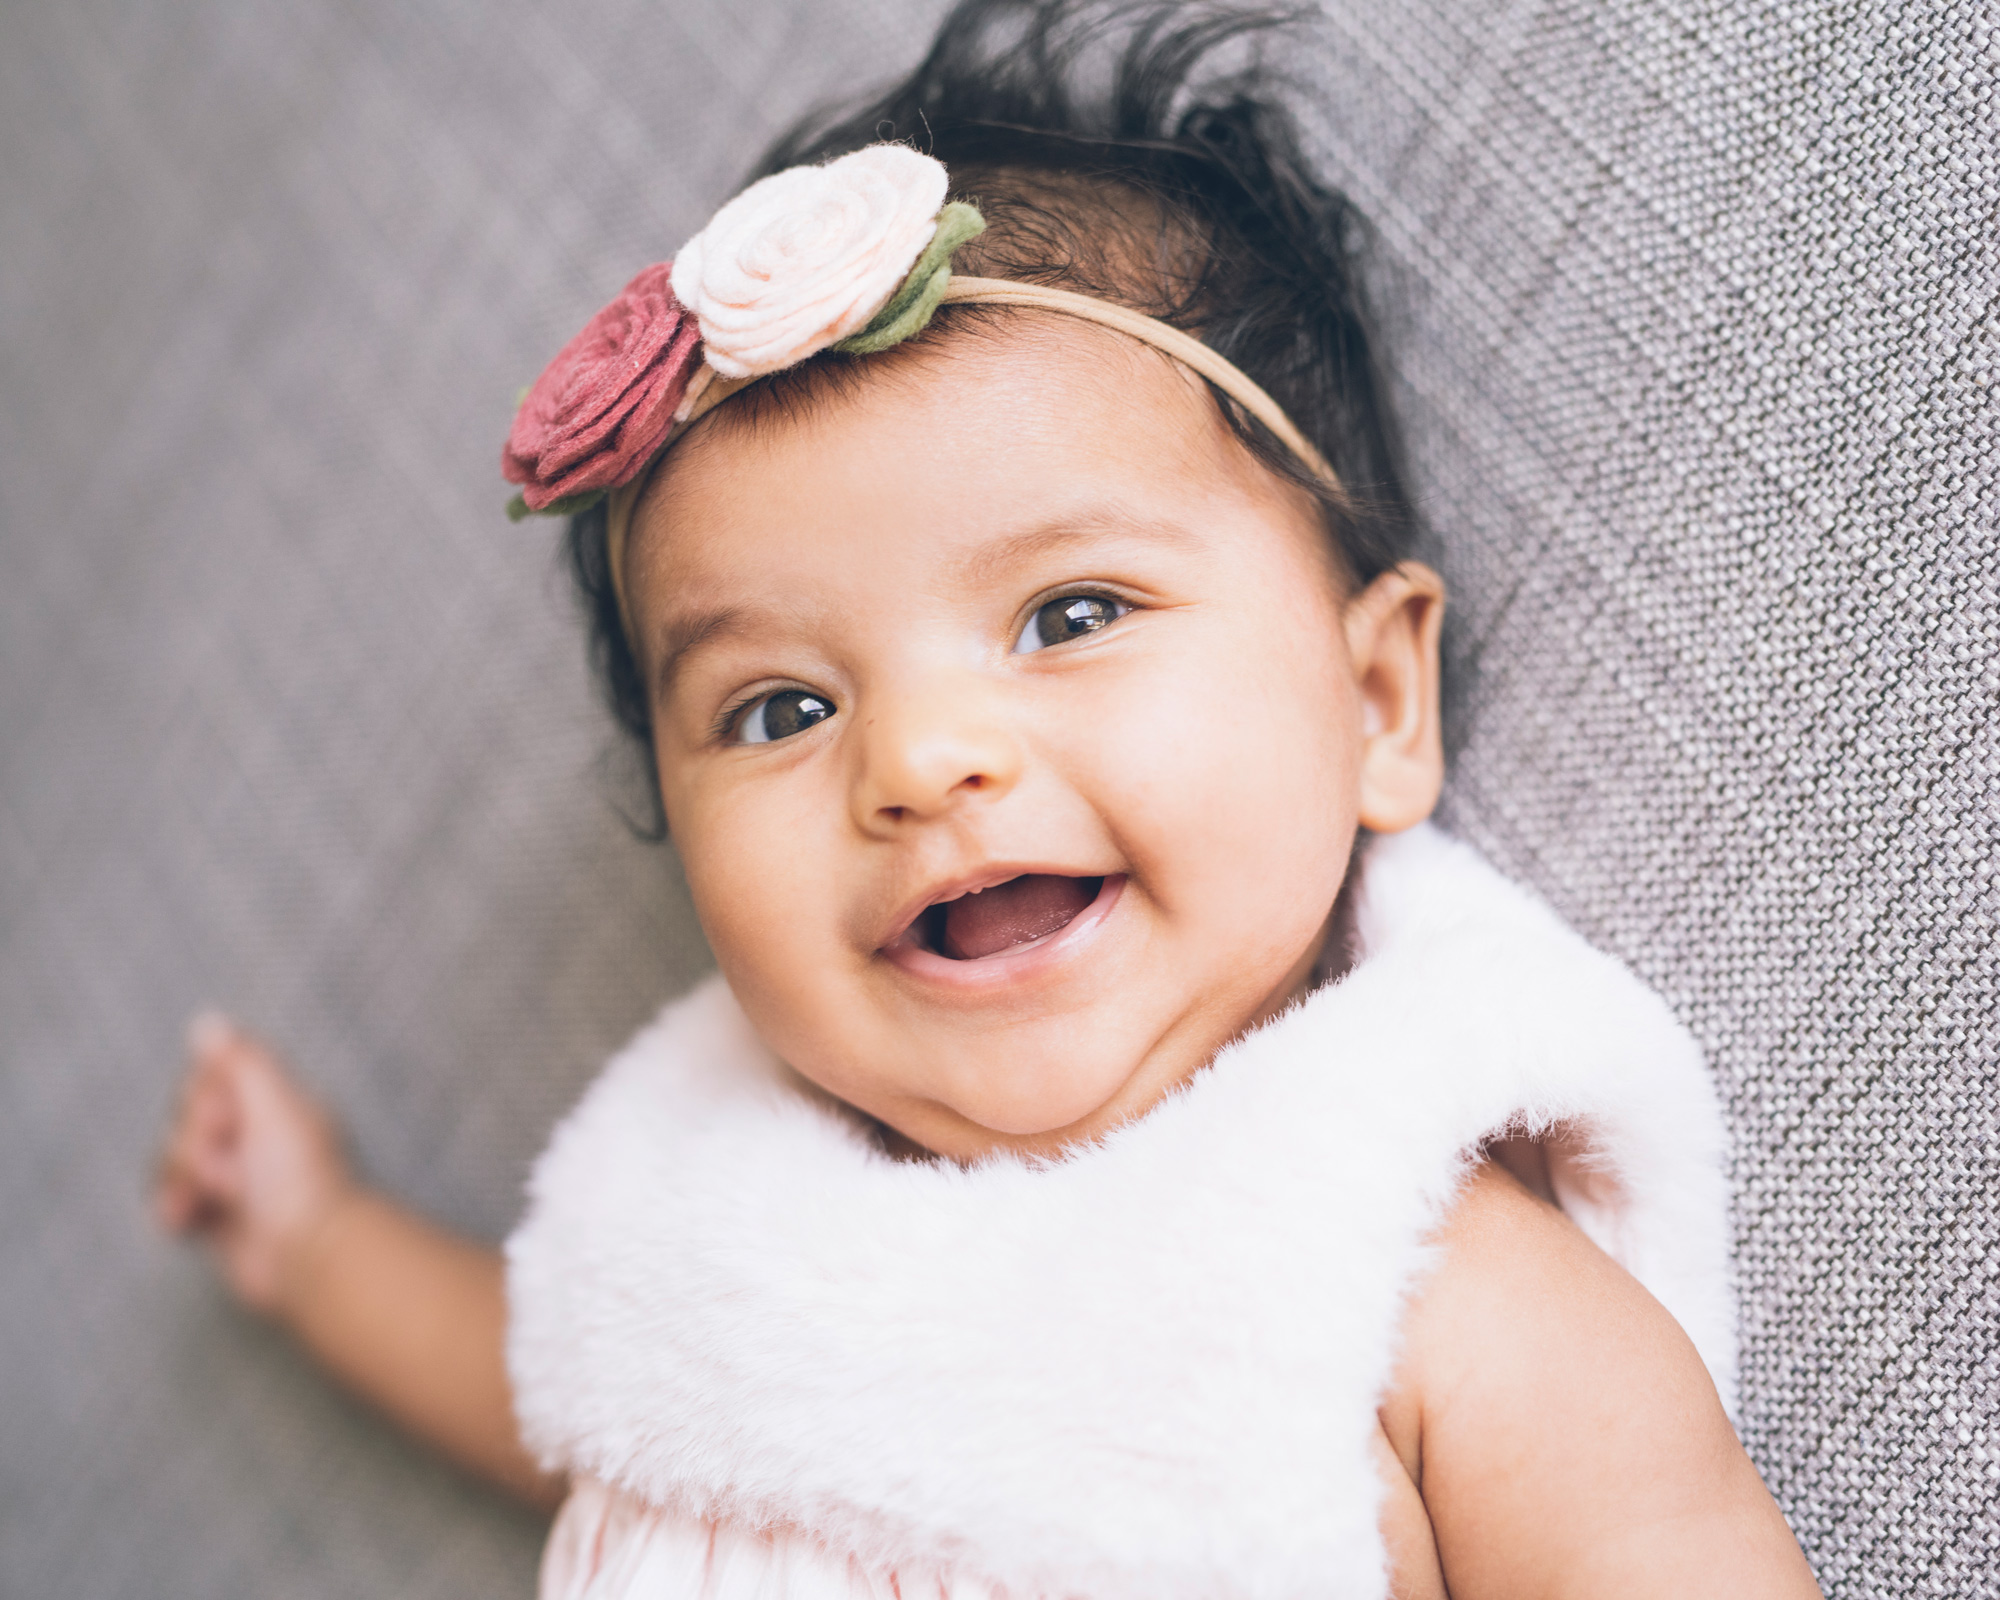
x: 595, y: 417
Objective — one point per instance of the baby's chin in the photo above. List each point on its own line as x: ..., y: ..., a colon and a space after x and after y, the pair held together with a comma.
x: 1040, y: 1085
x: 1031, y: 1089
x: 1082, y: 1101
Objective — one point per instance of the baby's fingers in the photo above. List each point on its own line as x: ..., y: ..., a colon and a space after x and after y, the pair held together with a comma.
x: 199, y: 1175
x: 178, y: 1203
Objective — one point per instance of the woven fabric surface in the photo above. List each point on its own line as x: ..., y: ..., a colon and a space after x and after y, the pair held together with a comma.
x: 1697, y: 320
x: 1691, y: 311
x: 292, y: 719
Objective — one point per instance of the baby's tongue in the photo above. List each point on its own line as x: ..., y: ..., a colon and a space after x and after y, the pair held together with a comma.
x: 1012, y: 913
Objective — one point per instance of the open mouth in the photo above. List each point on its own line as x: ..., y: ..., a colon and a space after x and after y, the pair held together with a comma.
x: 1004, y: 917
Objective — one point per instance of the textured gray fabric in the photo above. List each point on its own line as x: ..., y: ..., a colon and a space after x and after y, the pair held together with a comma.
x: 1692, y: 315
x: 1698, y: 351
x: 291, y: 718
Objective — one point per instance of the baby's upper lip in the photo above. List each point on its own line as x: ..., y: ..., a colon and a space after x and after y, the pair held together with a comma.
x: 984, y: 877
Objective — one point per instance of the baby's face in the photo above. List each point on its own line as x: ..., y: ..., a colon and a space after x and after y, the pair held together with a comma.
x: 1014, y: 727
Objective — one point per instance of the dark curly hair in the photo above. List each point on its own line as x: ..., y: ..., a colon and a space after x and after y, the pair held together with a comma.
x: 1140, y: 152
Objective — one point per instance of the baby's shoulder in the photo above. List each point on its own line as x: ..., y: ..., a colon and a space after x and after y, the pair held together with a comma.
x: 1505, y: 1240
x: 1519, y: 1308
x: 1553, y: 1416
x: 1504, y: 1261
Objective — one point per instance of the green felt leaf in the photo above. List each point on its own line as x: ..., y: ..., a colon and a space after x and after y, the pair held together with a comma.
x: 568, y: 506
x: 909, y: 309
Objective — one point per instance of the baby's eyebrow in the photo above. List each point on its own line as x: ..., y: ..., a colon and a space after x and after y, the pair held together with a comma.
x: 689, y: 630
x: 1089, y: 526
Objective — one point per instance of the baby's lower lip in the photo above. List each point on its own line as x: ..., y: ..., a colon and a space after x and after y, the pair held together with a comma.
x: 1016, y: 964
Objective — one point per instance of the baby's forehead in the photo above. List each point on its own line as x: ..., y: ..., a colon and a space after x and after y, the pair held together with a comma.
x: 991, y: 401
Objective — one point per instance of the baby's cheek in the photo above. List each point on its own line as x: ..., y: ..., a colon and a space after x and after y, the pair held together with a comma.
x: 1277, y: 843
x: 762, y: 886
x: 1235, y: 775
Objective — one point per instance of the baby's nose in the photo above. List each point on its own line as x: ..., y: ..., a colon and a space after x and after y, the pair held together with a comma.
x: 928, y: 750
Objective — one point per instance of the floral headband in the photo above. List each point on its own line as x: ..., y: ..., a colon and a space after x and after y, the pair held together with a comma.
x: 852, y: 256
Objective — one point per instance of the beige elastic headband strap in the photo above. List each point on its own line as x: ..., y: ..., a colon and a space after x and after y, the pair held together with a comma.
x: 1189, y: 351
x: 709, y: 389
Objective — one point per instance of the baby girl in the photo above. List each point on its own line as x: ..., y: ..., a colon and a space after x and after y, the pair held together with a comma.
x: 1125, y: 1149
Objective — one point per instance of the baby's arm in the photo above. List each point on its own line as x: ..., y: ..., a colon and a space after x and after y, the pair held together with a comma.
x: 411, y: 1317
x: 1563, y: 1432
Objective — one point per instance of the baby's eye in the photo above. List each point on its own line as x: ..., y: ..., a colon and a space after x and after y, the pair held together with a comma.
x: 779, y: 716
x: 1067, y: 617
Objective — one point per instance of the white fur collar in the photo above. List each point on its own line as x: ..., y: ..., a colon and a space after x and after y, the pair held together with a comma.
x: 1150, y: 1369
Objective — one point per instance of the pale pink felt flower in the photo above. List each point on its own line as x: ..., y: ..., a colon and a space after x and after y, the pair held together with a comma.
x: 600, y: 409
x: 803, y: 258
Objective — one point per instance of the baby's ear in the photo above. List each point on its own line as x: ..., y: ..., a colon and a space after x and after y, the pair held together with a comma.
x: 1392, y: 642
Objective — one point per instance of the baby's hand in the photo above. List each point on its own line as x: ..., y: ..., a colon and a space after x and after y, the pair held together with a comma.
x: 252, y: 1165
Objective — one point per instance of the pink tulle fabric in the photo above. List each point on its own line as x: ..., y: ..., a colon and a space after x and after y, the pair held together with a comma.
x: 601, y: 409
